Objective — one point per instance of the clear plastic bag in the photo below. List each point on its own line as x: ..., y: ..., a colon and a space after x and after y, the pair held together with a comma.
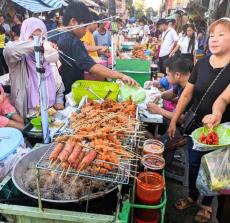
x: 202, y: 184
x: 215, y: 170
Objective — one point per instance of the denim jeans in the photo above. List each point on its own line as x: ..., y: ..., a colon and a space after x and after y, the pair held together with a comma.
x: 194, y: 165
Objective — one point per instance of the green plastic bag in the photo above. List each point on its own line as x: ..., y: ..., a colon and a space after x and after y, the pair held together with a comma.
x: 136, y: 94
x: 222, y: 131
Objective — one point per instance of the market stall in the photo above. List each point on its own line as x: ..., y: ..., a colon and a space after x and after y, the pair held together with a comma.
x: 100, y: 156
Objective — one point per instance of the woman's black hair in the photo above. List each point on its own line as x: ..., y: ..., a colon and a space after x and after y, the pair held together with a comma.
x: 19, y: 17
x: 16, y: 29
x: 143, y: 20
x: 191, y: 44
x: 77, y: 10
x: 2, y: 30
x: 184, y: 28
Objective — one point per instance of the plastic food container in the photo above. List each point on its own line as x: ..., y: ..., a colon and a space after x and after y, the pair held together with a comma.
x: 150, y: 187
x: 153, y: 146
x: 153, y: 162
x: 37, y: 123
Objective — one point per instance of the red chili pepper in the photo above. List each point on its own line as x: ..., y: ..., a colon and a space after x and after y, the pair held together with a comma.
x: 211, y: 138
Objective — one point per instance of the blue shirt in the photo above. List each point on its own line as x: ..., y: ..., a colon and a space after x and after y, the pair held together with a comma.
x: 102, y: 39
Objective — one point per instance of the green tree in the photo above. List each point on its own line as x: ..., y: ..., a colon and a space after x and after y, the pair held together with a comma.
x: 130, y: 7
x: 140, y: 8
x: 150, y: 13
x: 129, y: 3
x: 139, y: 4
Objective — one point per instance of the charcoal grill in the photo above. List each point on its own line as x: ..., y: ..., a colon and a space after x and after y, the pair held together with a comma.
x: 32, y: 157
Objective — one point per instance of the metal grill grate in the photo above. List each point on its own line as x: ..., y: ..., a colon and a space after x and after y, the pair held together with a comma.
x: 119, y: 174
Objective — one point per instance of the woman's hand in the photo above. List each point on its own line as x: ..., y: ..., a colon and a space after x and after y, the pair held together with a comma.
x: 153, y: 108
x: 59, y: 106
x: 103, y: 49
x: 212, y: 120
x: 54, y: 45
x: 128, y: 80
x: 172, y: 129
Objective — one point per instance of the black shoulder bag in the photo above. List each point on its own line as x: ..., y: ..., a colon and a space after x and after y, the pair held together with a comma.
x: 189, y: 124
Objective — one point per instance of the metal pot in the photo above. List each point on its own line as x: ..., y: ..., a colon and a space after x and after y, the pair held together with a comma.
x: 33, y: 157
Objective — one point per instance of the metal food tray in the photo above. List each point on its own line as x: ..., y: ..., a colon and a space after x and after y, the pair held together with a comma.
x: 119, y: 175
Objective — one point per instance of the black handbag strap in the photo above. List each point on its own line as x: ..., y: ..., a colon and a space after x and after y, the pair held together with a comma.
x: 163, y: 39
x: 211, y: 85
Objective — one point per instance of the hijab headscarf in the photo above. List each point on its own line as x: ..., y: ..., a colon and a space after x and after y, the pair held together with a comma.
x: 27, y: 29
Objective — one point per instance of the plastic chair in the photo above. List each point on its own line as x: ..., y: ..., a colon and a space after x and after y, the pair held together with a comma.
x: 178, y: 169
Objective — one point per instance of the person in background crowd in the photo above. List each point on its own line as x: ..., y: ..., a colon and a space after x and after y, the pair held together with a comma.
x: 60, y: 22
x: 5, y: 25
x: 203, y: 75
x: 89, y: 41
x: 172, y: 23
x: 8, y: 114
x: 178, y: 71
x: 153, y: 29
x: 19, y: 56
x: 3, y: 65
x: 201, y: 38
x: 150, y: 24
x: 70, y: 44
x: 183, y: 33
x: 188, y: 45
x: 169, y: 39
x: 102, y: 36
x: 108, y: 25
x: 18, y: 19
x: 116, y: 26
x: 50, y: 21
x: 144, y: 27
x: 145, y: 39
x: 15, y: 30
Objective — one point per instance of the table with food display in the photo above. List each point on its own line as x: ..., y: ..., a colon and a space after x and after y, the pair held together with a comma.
x: 98, y: 167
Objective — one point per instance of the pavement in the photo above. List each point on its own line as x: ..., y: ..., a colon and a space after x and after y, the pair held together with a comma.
x: 176, y: 190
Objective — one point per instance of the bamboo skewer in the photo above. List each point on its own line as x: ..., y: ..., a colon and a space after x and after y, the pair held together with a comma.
x: 68, y: 170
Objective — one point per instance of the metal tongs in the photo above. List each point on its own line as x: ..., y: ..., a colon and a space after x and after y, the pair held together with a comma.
x: 107, y: 95
x: 92, y: 92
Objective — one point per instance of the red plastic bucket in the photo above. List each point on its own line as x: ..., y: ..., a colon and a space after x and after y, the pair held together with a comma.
x: 138, y: 220
x: 150, y: 187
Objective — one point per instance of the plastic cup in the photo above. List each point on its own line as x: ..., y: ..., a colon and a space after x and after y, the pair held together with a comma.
x: 153, y: 162
x: 153, y: 146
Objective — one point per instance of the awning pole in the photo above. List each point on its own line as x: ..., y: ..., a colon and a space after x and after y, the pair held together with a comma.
x: 39, y: 58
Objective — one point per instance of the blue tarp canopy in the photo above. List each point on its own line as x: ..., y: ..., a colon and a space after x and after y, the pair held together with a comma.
x: 38, y: 6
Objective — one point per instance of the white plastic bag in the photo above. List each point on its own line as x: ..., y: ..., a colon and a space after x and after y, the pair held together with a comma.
x: 7, y: 164
x: 214, y: 172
